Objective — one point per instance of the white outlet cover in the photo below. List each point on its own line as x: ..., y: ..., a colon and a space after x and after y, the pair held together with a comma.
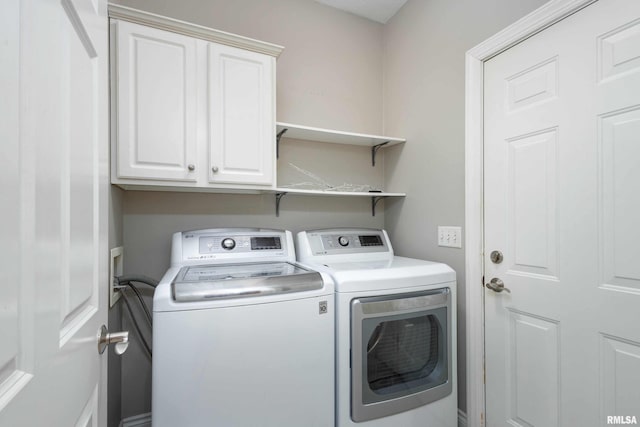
x: 450, y: 236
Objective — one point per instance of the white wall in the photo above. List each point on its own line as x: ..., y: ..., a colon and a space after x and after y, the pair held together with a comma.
x: 424, y: 48
x: 329, y: 75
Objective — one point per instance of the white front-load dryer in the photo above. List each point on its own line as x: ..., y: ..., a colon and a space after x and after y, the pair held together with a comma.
x: 395, y: 330
x: 243, y: 336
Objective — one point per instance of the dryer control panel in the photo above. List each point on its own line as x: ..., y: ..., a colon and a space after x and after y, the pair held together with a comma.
x: 347, y: 241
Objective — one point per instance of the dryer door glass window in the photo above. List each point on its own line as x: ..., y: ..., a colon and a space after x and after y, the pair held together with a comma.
x: 406, y: 354
x: 401, y: 352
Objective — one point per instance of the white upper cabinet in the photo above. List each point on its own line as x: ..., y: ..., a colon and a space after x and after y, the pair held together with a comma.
x: 242, y: 119
x: 156, y: 107
x: 192, y: 108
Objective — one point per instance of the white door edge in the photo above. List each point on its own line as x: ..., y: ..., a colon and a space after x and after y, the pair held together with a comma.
x: 536, y: 21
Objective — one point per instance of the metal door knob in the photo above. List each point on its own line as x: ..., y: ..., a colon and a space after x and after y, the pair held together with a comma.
x: 496, y: 257
x: 497, y: 285
x: 191, y: 168
x: 214, y: 169
x: 120, y: 339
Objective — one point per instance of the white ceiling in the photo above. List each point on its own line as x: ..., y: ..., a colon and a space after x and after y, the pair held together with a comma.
x: 376, y: 10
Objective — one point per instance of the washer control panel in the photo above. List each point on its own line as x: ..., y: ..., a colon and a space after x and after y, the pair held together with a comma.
x: 232, y: 244
x: 220, y: 244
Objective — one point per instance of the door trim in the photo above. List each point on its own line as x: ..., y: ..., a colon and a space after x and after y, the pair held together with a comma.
x: 536, y: 21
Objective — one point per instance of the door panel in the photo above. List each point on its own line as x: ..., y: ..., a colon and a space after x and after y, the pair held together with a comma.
x: 242, y: 134
x: 619, y: 154
x: 54, y: 195
x: 156, y: 95
x: 531, y: 167
x: 620, y: 375
x: 619, y: 51
x: 562, y: 198
x: 78, y: 167
x: 533, y: 366
x: 533, y: 86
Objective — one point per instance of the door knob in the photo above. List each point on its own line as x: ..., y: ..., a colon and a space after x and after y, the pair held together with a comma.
x: 191, y: 168
x: 120, y: 339
x: 497, y: 285
x: 496, y: 257
x: 214, y: 169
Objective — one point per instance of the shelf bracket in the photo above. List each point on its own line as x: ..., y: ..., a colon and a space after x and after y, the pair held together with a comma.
x: 374, y: 151
x: 279, y: 197
x: 374, y: 202
x: 278, y: 136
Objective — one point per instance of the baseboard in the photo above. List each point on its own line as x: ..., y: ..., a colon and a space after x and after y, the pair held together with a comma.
x: 462, y: 419
x: 142, y: 420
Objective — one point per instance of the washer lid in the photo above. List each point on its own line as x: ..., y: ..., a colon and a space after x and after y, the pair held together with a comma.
x: 206, y: 282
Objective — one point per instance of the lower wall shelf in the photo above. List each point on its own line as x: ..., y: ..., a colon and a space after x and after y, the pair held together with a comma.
x: 374, y: 195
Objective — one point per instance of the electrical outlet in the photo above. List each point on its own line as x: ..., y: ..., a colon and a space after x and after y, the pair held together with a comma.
x: 450, y: 236
x: 115, y: 269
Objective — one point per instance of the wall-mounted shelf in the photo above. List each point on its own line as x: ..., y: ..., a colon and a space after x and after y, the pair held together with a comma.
x: 375, y: 196
x: 309, y: 133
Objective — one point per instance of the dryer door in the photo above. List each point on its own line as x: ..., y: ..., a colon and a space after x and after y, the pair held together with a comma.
x: 401, y: 352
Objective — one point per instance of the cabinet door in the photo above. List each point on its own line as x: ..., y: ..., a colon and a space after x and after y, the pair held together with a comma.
x: 241, y: 116
x: 156, y: 104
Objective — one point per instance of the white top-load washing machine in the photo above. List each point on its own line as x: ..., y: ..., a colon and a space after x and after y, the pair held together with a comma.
x: 395, y: 330
x: 242, y: 335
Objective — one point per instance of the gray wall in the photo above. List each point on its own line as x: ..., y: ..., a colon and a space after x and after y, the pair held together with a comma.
x: 329, y: 75
x: 114, y: 377
x: 424, y: 49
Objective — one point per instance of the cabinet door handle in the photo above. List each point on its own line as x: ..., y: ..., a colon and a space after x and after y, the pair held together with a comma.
x: 191, y: 168
x: 214, y: 169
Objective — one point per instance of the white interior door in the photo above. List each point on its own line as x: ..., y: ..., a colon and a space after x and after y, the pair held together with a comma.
x: 54, y: 175
x: 562, y: 202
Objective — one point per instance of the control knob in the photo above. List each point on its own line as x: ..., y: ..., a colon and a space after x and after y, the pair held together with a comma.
x: 228, y: 243
x: 344, y: 241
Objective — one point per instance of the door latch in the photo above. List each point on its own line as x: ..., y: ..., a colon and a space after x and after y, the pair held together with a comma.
x: 497, y: 285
